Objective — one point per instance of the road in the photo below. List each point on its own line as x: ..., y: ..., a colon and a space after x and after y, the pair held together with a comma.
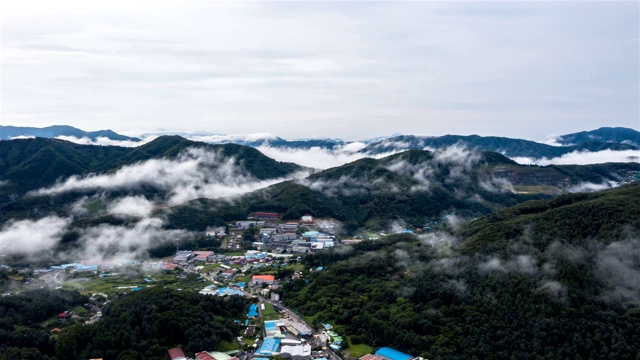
x: 331, y: 354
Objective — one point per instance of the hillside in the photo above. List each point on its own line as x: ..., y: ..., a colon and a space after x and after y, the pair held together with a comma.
x: 618, y: 135
x: 573, y: 218
x: 500, y: 290
x: 167, y: 166
x: 415, y: 187
x: 507, y: 146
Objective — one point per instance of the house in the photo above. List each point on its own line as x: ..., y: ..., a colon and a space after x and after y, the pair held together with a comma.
x: 229, y: 274
x: 307, y: 219
x: 260, y: 279
x: 56, y: 331
x: 176, y: 354
x: 253, y: 311
x: 251, y: 331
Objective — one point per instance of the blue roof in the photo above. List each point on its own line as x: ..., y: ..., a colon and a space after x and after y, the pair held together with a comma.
x: 269, y: 345
x: 253, y: 310
x: 311, y: 233
x: 319, y: 268
x: 226, y: 291
x: 393, y: 354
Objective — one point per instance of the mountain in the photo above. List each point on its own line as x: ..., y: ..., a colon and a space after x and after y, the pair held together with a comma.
x: 576, y: 219
x: 158, y: 168
x: 507, y: 146
x: 10, y: 132
x: 416, y: 187
x: 618, y: 135
x: 554, y: 278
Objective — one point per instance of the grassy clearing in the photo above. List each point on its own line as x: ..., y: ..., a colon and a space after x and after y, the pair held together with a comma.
x: 357, y: 351
x: 210, y: 267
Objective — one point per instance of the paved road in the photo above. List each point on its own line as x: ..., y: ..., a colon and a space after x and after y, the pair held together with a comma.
x: 331, y: 354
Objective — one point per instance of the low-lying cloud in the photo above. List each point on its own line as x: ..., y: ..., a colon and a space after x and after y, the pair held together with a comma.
x: 584, y: 158
x: 320, y: 158
x: 28, y: 237
x: 196, y: 173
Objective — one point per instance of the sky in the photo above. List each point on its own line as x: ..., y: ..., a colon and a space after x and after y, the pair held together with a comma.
x: 350, y: 70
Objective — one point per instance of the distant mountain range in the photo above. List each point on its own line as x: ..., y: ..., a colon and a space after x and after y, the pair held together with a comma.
x: 606, y: 138
x: 11, y: 132
x: 170, y: 171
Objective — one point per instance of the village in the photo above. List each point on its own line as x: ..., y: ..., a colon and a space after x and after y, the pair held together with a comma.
x: 258, y: 254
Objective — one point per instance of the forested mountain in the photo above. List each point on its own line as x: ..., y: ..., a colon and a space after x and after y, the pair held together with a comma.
x: 618, y: 135
x: 507, y: 146
x: 140, y: 325
x: 9, y: 132
x: 549, y: 279
x: 412, y: 186
x: 29, y: 164
x: 606, y: 138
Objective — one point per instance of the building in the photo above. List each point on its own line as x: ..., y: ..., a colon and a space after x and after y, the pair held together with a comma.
x: 202, y: 255
x: 387, y: 353
x: 243, y: 225
x: 307, y: 219
x: 251, y: 331
x: 182, y: 257
x: 260, y: 279
x: 229, y: 274
x: 266, y: 215
x: 297, y: 352
x: 176, y: 354
x: 253, y: 311
x: 269, y: 346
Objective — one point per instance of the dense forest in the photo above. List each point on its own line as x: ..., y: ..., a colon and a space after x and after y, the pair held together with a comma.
x: 141, y: 325
x: 499, y: 294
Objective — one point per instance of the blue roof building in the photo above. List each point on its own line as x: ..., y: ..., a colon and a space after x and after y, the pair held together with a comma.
x: 253, y: 310
x: 393, y: 354
x: 269, y: 346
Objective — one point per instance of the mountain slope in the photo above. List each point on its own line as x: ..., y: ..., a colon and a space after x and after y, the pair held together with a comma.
x: 573, y: 218
x: 31, y: 164
x: 509, y: 296
x: 10, y: 132
x: 415, y: 186
x: 605, y: 134
x: 507, y: 146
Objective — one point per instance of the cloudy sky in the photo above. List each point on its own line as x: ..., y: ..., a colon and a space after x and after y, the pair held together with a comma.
x: 352, y: 70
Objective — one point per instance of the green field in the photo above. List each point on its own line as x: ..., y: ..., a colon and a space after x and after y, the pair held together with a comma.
x: 269, y: 313
x: 123, y: 282
x: 357, y: 351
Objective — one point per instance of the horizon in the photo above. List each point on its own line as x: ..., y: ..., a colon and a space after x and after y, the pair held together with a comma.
x: 323, y: 70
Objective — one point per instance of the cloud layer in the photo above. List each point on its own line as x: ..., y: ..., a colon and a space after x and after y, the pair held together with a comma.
x: 194, y: 174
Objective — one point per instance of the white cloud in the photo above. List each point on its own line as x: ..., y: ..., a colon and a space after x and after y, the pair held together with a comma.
x: 108, y: 241
x: 32, y: 237
x: 584, y: 158
x: 136, y: 206
x: 104, y: 141
x: 194, y: 174
x: 317, y: 157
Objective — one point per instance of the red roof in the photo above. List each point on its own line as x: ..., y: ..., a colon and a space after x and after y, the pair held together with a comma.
x: 63, y: 315
x: 204, y: 356
x: 176, y: 353
x: 263, y: 277
x: 369, y: 357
